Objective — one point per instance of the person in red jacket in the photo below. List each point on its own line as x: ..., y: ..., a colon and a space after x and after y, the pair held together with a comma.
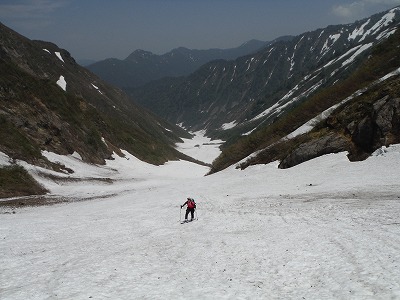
x: 191, y: 206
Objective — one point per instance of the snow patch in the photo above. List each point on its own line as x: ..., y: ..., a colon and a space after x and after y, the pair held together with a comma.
x: 5, y: 160
x: 358, y: 52
x: 58, y: 54
x: 62, y: 83
x: 391, y: 74
x: 358, y: 31
x: 248, y: 67
x: 350, y: 51
x: 227, y: 126
x: 383, y: 22
x: 249, y: 132
x: 308, y: 126
x: 76, y: 155
x: 385, y: 34
x: 234, y: 72
x: 329, y: 43
x: 97, y: 88
x: 287, y: 100
x: 385, y: 151
x: 47, y: 51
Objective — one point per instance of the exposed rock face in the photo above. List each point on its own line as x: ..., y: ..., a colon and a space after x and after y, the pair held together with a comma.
x: 387, y: 117
x: 377, y: 125
x: 380, y: 126
x: 331, y: 143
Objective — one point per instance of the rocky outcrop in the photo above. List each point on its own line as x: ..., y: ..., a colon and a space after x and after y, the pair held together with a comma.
x: 331, y: 143
x: 387, y: 119
x: 380, y: 127
x: 363, y: 130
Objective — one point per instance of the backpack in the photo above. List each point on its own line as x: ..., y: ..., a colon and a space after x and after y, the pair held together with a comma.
x: 191, y: 203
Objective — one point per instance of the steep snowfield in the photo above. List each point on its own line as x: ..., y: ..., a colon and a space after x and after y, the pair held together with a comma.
x: 326, y: 229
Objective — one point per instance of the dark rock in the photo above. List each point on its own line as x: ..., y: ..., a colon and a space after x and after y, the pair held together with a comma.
x: 364, y: 134
x: 387, y: 114
x: 331, y: 143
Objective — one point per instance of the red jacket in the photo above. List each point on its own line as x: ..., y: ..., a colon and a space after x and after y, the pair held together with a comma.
x: 190, y: 204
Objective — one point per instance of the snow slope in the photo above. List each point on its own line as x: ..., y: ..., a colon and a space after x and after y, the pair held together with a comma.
x: 325, y: 229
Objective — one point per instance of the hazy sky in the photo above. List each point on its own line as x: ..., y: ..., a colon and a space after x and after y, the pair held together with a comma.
x: 99, y: 29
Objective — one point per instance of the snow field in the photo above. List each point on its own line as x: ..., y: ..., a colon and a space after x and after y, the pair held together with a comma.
x: 326, y: 229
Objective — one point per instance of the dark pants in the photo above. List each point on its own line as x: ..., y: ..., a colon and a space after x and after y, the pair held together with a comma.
x: 191, y: 210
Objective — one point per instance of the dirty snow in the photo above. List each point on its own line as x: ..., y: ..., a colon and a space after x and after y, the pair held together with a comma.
x: 326, y: 229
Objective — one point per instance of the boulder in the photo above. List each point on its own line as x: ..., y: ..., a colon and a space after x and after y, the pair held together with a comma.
x: 330, y: 143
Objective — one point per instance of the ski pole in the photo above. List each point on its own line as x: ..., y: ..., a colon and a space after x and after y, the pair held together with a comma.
x: 180, y: 215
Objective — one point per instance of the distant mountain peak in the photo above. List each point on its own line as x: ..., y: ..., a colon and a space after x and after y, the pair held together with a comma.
x: 252, y: 41
x: 141, y: 66
x: 139, y: 54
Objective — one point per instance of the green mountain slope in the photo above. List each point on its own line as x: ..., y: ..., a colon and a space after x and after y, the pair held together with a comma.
x: 48, y: 102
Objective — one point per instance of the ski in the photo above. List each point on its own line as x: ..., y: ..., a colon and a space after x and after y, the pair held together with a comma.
x: 188, y: 221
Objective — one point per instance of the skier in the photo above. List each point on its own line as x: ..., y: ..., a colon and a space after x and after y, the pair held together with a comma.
x: 191, y: 206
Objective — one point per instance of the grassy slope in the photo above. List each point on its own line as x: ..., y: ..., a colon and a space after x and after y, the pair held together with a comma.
x: 15, y: 181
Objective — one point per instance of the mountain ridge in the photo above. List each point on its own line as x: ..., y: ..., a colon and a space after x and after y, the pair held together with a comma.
x: 256, y: 88
x: 49, y: 102
x: 358, y: 115
x: 142, y: 67
x: 244, y: 97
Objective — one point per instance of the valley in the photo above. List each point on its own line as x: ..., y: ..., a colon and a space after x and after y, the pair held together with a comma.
x: 327, y: 228
x: 290, y: 149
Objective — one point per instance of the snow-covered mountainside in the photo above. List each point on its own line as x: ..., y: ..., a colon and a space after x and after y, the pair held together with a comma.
x: 326, y: 229
x: 358, y: 114
x: 261, y: 87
